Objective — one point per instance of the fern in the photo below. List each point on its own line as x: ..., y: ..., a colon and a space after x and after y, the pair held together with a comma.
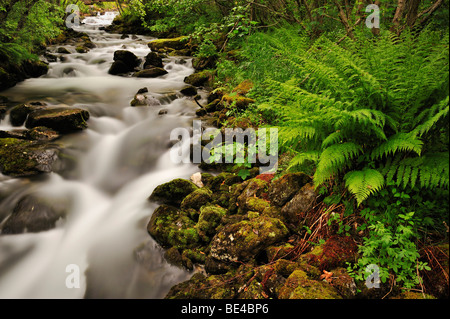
x: 364, y: 183
x: 375, y: 112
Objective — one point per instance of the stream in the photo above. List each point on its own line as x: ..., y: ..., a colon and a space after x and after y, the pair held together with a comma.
x: 117, y: 163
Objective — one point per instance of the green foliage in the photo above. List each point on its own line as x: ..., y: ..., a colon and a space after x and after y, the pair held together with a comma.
x: 27, y: 25
x: 366, y: 111
x: 396, y: 220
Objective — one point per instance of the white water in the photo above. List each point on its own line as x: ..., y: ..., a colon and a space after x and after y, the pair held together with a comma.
x: 120, y: 159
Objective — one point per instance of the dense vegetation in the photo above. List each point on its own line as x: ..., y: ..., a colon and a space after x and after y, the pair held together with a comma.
x: 365, y: 111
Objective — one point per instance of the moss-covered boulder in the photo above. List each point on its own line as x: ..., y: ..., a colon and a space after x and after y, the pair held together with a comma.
x: 173, y: 192
x: 202, y: 287
x: 62, y: 120
x: 245, y: 240
x: 209, y: 219
x: 21, y: 158
x: 203, y: 78
x: 197, y: 199
x: 172, y: 227
x: 299, y: 286
x: 283, y: 251
x: 168, y: 45
x: 283, y: 189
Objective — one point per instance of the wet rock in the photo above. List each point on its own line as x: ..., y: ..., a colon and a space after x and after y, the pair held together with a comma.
x: 200, y: 79
x: 144, y: 100
x: 118, y: 68
x: 150, y: 73
x: 189, y: 91
x: 42, y: 133
x: 283, y: 189
x: 153, y: 60
x: 299, y: 205
x: 20, y: 158
x: 173, y: 256
x: 142, y: 91
x: 245, y: 240
x: 124, y: 62
x: 299, y: 286
x: 197, y: 199
x: 171, y: 227
x: 168, y: 45
x: 31, y: 214
x: 50, y: 57
x: 127, y: 57
x: 62, y: 50
x: 19, y: 113
x: 163, y: 112
x: 81, y: 49
x: 173, y: 192
x: 62, y: 120
x: 19, y: 134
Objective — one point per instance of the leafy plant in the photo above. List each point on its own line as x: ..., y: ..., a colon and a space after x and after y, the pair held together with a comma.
x: 366, y: 112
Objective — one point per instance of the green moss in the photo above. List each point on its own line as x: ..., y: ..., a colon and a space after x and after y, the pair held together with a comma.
x: 256, y: 204
x: 16, y: 157
x: 171, y: 227
x: 200, y: 78
x: 299, y: 286
x: 210, y: 217
x: 196, y: 199
x: 173, y: 192
x: 167, y: 45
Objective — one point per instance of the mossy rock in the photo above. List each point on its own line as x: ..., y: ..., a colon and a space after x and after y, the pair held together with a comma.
x: 256, y: 204
x: 168, y: 45
x: 244, y: 87
x: 171, y: 227
x: 210, y: 217
x: 202, y: 78
x: 196, y: 199
x: 243, y: 241
x: 283, y: 189
x: 252, y: 188
x: 299, y: 286
x: 173, y: 192
x: 20, y: 158
x: 202, y: 287
x: 240, y: 102
x: 81, y: 49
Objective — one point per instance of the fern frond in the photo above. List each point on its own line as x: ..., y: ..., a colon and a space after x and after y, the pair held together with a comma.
x: 334, y: 159
x: 364, y: 183
x: 401, y: 142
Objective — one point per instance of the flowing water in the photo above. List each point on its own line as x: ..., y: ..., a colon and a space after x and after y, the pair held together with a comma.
x: 116, y: 164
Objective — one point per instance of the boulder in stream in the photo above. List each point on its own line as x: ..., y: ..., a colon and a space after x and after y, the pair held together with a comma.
x: 150, y: 73
x: 62, y: 120
x: 124, y: 62
x: 31, y: 214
